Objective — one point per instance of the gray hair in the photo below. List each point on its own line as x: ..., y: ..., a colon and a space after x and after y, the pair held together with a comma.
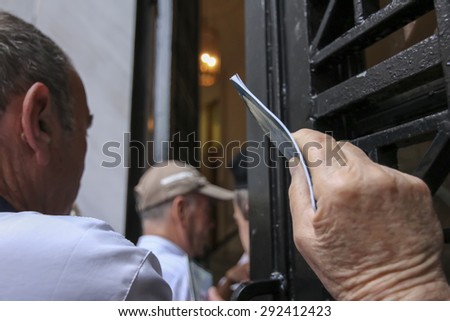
x: 28, y: 56
x: 156, y: 212
x: 160, y: 210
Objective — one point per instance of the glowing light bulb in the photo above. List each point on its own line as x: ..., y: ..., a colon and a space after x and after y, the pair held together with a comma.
x: 212, y: 61
x: 205, y: 57
x: 209, y: 67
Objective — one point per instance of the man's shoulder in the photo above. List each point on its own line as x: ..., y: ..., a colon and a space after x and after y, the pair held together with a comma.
x: 33, y: 219
x: 71, y: 257
x: 67, y: 229
x: 58, y: 230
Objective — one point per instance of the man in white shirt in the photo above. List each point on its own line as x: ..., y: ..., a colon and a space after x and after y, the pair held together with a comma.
x: 44, y: 117
x: 173, y: 200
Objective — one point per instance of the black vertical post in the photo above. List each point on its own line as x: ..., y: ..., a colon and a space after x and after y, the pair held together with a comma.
x: 258, y: 177
x: 140, y: 108
x: 278, y: 72
x: 184, y: 96
x: 278, y: 208
x: 299, y: 90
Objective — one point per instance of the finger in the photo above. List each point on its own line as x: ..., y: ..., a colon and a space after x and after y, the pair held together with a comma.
x: 315, y: 146
x: 354, y: 154
x: 325, y: 156
x: 300, y: 203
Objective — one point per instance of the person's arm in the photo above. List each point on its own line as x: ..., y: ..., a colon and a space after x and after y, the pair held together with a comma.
x: 237, y: 274
x: 375, y: 235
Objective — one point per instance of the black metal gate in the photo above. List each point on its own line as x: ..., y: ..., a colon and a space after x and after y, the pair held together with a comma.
x: 308, y: 61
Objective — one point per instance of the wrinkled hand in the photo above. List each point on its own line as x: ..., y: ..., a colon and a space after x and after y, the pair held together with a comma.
x: 374, y: 235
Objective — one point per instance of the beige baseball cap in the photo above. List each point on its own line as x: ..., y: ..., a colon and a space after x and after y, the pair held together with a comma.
x: 168, y: 179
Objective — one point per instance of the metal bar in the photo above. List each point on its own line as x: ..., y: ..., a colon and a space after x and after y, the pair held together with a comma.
x: 363, y: 9
x: 435, y: 165
x: 302, y: 282
x: 402, y: 132
x: 408, y: 64
x: 184, y: 105
x: 141, y: 107
x: 275, y: 104
x: 258, y: 177
x: 358, y: 9
x: 399, y: 109
x: 298, y: 78
x: 443, y: 21
x: 162, y: 87
x: 270, y: 289
x: 323, y: 25
x: 278, y: 205
x: 395, y: 15
x: 273, y: 57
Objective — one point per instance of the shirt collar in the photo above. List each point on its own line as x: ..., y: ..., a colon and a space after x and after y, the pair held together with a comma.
x: 147, y: 241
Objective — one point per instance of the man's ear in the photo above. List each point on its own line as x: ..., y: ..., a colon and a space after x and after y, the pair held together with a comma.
x: 179, y: 210
x: 36, y: 112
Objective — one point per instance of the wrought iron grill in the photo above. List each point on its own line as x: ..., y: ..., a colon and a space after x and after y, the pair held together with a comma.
x: 309, y: 61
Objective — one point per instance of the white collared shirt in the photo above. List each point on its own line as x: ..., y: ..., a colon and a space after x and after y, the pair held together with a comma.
x: 49, y: 257
x: 174, y: 264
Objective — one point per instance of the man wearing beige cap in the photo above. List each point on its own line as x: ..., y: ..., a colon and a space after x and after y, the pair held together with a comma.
x: 173, y: 201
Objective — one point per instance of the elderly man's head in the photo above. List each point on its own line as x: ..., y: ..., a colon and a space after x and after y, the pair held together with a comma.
x: 44, y: 118
x: 173, y: 200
